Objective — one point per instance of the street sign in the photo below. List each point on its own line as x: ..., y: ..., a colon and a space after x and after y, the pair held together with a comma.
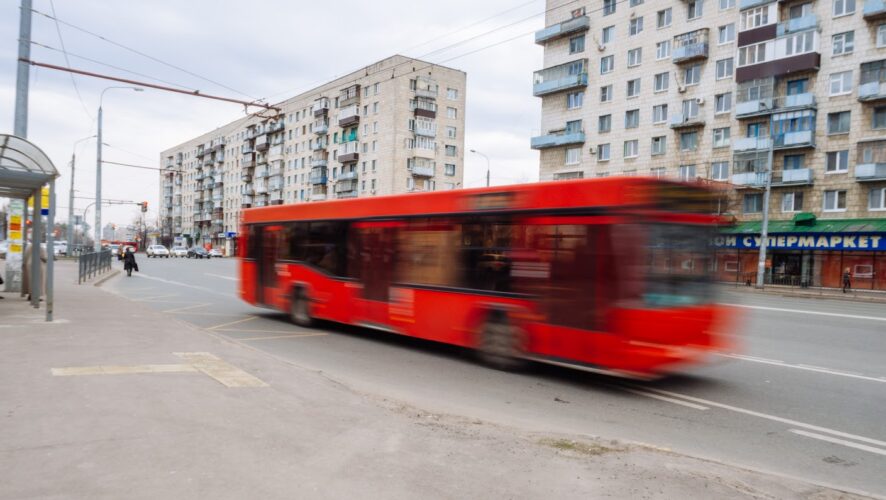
x: 44, y: 201
x: 231, y: 234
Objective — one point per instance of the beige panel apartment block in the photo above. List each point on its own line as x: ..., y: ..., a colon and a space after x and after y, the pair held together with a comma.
x: 396, y: 126
x: 741, y: 75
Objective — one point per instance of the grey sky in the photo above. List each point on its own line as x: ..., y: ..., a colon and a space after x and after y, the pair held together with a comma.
x: 303, y: 44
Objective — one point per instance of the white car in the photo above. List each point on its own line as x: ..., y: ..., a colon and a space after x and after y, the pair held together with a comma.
x: 179, y: 252
x: 215, y: 252
x: 157, y: 251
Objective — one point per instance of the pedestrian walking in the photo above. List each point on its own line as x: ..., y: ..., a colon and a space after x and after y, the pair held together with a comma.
x: 847, y: 282
x: 129, y: 263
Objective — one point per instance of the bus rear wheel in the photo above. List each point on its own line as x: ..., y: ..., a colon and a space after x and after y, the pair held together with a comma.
x: 299, y: 309
x: 501, y: 344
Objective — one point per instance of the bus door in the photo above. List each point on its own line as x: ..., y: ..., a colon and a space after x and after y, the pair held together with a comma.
x: 269, y: 246
x: 377, y: 247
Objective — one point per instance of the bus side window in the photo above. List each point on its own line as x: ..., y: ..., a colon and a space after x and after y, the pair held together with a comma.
x: 485, y: 254
x: 326, y: 246
x: 426, y: 253
x: 296, y: 239
x: 253, y: 245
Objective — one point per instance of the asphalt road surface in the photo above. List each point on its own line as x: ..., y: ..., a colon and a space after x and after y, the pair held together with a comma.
x: 804, y: 395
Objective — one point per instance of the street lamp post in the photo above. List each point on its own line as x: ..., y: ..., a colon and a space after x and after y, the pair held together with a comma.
x: 487, y: 164
x: 764, y: 230
x: 71, y: 200
x: 98, y: 169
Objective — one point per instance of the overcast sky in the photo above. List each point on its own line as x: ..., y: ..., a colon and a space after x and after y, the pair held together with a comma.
x: 262, y: 48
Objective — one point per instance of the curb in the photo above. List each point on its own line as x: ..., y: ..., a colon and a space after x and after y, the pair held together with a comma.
x: 820, y: 296
x: 110, y: 275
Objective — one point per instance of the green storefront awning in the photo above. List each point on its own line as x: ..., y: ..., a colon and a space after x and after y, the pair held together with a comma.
x: 805, y: 224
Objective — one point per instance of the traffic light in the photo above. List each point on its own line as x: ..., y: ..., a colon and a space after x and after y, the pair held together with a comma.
x: 144, y: 205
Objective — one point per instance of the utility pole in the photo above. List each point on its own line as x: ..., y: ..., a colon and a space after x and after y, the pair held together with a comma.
x: 487, y: 164
x: 71, y: 199
x: 24, y: 71
x: 764, y: 230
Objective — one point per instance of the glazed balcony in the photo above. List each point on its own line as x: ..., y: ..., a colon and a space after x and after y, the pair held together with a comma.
x: 426, y: 87
x: 870, y: 163
x: 767, y: 106
x: 261, y: 189
x: 261, y: 172
x: 780, y: 178
x: 218, y: 144
x: 348, y: 115
x: 247, y: 149
x: 321, y: 106
x: 557, y: 139
x: 349, y: 152
x: 872, y: 84
x: 319, y: 161
x: 318, y: 176
x: 804, y: 23
x: 247, y: 190
x: 681, y: 121
x: 872, y: 91
x: 874, y: 9
x: 567, y: 76
x: 275, y: 126
x: 247, y: 161
x: 421, y: 167
x: 261, y: 143
x: 423, y: 108
x: 690, y: 46
x: 795, y: 139
x: 246, y: 201
x: 866, y: 172
x: 319, y: 144
x: 276, y: 169
x: 425, y: 128
x: 346, y: 186
x: 321, y: 127
x: 275, y: 153
x: 560, y: 30
x: 275, y: 184
x: 245, y: 176
x: 349, y: 96
x: 742, y: 144
x: 345, y: 176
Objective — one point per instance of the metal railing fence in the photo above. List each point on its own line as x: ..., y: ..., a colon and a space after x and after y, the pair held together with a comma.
x: 92, y: 264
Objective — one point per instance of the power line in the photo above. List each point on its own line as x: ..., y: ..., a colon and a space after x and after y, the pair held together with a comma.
x: 133, y: 153
x: 68, y: 62
x: 132, y: 166
x: 130, y: 49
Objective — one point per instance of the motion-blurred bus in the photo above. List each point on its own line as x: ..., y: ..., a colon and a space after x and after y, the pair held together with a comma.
x: 607, y: 274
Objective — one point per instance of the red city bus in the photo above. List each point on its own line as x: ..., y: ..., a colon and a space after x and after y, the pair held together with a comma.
x: 605, y: 274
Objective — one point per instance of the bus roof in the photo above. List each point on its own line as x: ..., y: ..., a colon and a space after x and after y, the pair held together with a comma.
x: 554, y: 195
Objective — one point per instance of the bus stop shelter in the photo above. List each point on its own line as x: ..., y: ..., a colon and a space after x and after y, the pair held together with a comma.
x: 24, y: 171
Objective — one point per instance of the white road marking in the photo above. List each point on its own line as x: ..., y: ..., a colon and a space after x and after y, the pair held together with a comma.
x: 810, y: 368
x: 803, y: 311
x: 178, y: 283
x: 843, y: 442
x: 220, y: 276
x: 241, y: 320
x: 774, y: 418
x: 226, y: 374
x: 156, y: 297
x: 295, y: 336
x: 187, y: 308
x: 665, y: 398
x: 120, y: 370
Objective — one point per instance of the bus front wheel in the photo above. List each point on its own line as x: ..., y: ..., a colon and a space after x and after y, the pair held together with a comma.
x: 299, y: 309
x: 501, y: 343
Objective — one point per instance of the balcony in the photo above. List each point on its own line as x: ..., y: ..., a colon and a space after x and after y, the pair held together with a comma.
x: 200, y: 151
x: 318, y: 176
x: 349, y: 96
x: 348, y: 152
x: 679, y: 121
x: 780, y: 178
x: 742, y: 144
x: 218, y: 198
x: 247, y: 190
x: 245, y: 176
x: 797, y: 139
x: 219, y: 144
x: 425, y: 128
x: 559, y: 30
x: 247, y: 149
x: 870, y: 163
x: 321, y: 127
x: 246, y: 201
x: 261, y: 173
x: 557, y: 139
x: 220, y: 157
x: 318, y: 197
x: 261, y: 189
x: 872, y: 85
x: 749, y: 4
x: 348, y: 115
x: 276, y: 169
x: 559, y: 78
x: 866, y: 172
x: 247, y: 161
x: 346, y: 176
x: 767, y: 106
x: 261, y: 143
x: 344, y: 186
x: 426, y: 87
x: 275, y: 153
x: 318, y: 145
x: 275, y: 184
x: 690, y: 46
x: 276, y: 126
x: 424, y: 108
x: 807, y: 22
x: 874, y: 9
x: 422, y: 169
x: 346, y: 194
x: 321, y: 106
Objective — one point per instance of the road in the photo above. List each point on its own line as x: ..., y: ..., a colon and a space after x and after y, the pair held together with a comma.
x: 804, y: 396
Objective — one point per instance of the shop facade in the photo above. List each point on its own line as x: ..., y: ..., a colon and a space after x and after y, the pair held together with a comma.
x: 806, y: 252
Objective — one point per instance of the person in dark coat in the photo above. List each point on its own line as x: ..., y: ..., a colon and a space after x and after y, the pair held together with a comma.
x: 847, y: 280
x: 129, y: 263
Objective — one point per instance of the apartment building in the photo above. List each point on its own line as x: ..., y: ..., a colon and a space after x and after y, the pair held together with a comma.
x: 709, y: 90
x: 396, y: 126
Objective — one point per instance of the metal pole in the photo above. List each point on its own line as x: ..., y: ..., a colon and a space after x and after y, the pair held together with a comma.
x: 35, y: 249
x: 50, y: 264
x: 25, y: 247
x: 23, y: 74
x: 97, y: 244
x: 71, y: 206
x: 764, y: 231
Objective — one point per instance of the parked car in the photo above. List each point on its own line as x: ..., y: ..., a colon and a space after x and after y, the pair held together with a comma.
x: 179, y: 252
x: 115, y: 250
x: 157, y: 251
x: 198, y: 253
x: 216, y: 252
x: 61, y: 247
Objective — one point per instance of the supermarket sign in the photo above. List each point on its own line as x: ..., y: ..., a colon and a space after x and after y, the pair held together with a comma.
x: 806, y: 241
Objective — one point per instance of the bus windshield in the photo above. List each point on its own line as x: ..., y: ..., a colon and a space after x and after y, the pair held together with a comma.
x: 677, y: 262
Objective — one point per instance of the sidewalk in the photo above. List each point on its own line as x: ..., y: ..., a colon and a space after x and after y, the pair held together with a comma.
x: 98, y: 404
x: 871, y: 296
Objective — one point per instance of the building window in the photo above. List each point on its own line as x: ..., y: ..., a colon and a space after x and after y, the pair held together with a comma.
x: 659, y: 145
x: 727, y: 4
x: 877, y: 199
x: 688, y: 141
x: 835, y: 201
x: 660, y: 113
x: 635, y: 3
x: 663, y: 18
x: 843, y: 43
x: 631, y: 148
x: 695, y: 9
x: 609, y: 7
x: 881, y: 35
x: 657, y: 172
x: 792, y: 202
x: 662, y: 50
x: 753, y: 203
x: 661, y: 82
x: 449, y: 169
x: 574, y: 100
x: 726, y: 34
x: 577, y: 44
x: 879, y: 118
x: 573, y: 127
x: 838, y: 123
x: 606, y: 93
x: 841, y: 83
x: 754, y: 18
x: 632, y: 118
x: 451, y: 113
x: 721, y: 137
x: 752, y: 54
x: 635, y: 27
x: 843, y: 7
x: 692, y: 75
x: 690, y: 109
x: 451, y: 133
x: 450, y: 151
x: 720, y: 170
x: 801, y: 43
x: 608, y: 35
x: 573, y: 156
x: 838, y: 162
x: 607, y: 64
x: 451, y: 94
x: 686, y: 172
x: 724, y: 68
x: 603, y: 152
x: 635, y: 57
x: 794, y: 162
x: 604, y: 124
x: 723, y: 103
x: 633, y: 89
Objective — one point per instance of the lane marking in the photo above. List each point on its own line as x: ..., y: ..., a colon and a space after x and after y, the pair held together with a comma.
x: 766, y: 416
x: 809, y: 368
x: 294, y: 336
x: 237, y: 322
x: 669, y: 400
x: 802, y: 311
x: 178, y: 283
x: 187, y: 308
x: 220, y: 276
x: 842, y: 442
x: 150, y: 299
x: 226, y: 374
x: 120, y: 370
